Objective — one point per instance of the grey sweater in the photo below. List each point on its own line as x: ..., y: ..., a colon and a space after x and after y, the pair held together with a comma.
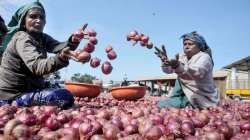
x: 196, y: 78
x: 25, y: 62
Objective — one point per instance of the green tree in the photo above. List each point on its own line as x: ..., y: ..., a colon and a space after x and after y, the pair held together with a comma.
x: 86, y: 78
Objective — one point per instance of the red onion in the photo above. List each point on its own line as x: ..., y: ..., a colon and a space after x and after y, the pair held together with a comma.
x: 69, y: 131
x: 145, y: 125
x: 95, y: 62
x: 110, y: 131
x: 111, y: 55
x: 52, y: 123
x: 245, y: 126
x: 226, y: 131
x: 93, y: 40
x: 156, y: 119
x: 144, y: 39
x: 191, y: 138
x: 173, y: 128
x: 137, y: 113
x: 50, y: 110
x: 187, y: 128
x: 10, y: 126
x: 43, y: 130
x: 62, y: 118
x: 103, y: 114
x: 85, y: 128
x: 245, y: 115
x: 52, y: 135
x: 214, y: 136
x: 132, y: 34
x: 68, y: 137
x: 89, y: 47
x: 131, y: 129
x: 108, y: 48
x: 118, y: 123
x: 97, y: 127
x: 27, y: 118
x: 153, y: 133
x: 150, y: 45
x: 107, y: 67
x: 97, y: 137
x: 21, y: 131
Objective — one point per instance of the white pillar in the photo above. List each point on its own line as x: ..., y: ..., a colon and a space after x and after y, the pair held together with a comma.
x: 233, y: 78
x: 248, y: 80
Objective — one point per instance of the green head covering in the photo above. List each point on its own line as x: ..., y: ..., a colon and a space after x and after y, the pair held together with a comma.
x: 17, y: 20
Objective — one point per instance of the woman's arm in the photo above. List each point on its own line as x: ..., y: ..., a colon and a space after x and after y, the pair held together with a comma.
x: 54, y: 46
x: 35, y: 57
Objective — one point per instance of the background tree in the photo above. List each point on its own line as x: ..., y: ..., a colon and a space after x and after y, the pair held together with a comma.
x: 86, y: 78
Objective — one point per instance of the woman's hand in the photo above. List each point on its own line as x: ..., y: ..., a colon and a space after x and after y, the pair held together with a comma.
x: 78, y: 35
x: 66, y: 54
x: 174, y: 63
x: 162, y: 54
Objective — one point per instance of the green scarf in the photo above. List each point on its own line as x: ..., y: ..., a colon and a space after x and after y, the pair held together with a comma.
x: 17, y: 21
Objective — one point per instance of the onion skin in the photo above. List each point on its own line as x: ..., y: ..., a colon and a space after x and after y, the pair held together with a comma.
x: 52, y: 135
x: 108, y: 48
x: 97, y: 137
x: 153, y: 134
x: 52, y: 123
x: 93, y: 40
x: 21, y: 131
x: 7, y: 137
x: 144, y: 39
x: 10, y: 126
x: 112, y: 55
x: 27, y: 118
x: 107, y: 68
x: 131, y: 129
x: 214, y: 136
x: 89, y: 47
x: 95, y: 62
x: 187, y: 128
x: 110, y: 131
x: 150, y: 45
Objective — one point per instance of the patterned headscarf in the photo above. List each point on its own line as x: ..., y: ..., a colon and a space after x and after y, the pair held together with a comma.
x: 17, y: 20
x: 200, y: 41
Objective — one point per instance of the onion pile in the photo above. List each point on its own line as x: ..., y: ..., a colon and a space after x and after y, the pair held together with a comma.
x: 107, y: 118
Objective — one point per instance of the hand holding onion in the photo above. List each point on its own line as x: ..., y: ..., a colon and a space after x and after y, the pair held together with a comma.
x: 78, y: 35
